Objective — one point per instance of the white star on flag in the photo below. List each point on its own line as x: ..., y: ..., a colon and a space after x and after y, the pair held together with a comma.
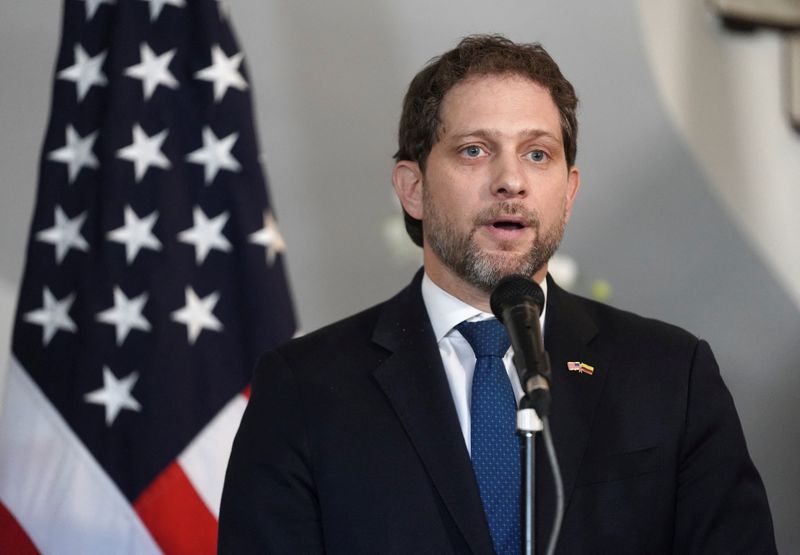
x: 206, y: 234
x: 215, y: 154
x: 153, y: 70
x: 92, y: 5
x: 197, y: 314
x: 223, y: 72
x: 125, y: 315
x: 65, y: 234
x: 85, y: 72
x: 77, y: 153
x: 136, y: 234
x: 53, y: 316
x: 145, y: 151
x: 270, y: 237
x: 157, y: 5
x: 115, y: 394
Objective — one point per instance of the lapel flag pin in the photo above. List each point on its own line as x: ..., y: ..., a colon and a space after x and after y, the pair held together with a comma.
x: 581, y: 367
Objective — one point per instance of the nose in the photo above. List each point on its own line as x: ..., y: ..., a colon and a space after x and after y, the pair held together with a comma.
x: 509, y: 177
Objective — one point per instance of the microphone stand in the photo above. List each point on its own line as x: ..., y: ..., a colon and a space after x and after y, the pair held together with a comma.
x: 517, y: 302
x: 532, y: 417
x: 534, y: 408
x: 528, y: 423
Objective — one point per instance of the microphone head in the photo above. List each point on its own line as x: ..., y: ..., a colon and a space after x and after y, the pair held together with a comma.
x: 514, y: 290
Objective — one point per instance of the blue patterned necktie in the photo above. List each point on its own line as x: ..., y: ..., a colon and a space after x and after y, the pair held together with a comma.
x: 495, y: 444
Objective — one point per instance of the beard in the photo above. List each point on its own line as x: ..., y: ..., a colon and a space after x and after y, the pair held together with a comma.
x: 482, y: 269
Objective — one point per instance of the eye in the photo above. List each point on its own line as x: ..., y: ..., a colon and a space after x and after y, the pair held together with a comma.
x: 472, y: 151
x: 538, y: 155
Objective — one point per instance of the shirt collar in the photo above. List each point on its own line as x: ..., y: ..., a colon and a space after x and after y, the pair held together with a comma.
x: 446, y: 311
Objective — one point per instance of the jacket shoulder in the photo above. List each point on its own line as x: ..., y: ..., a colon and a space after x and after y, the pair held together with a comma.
x: 365, y: 336
x: 624, y: 327
x: 343, y: 334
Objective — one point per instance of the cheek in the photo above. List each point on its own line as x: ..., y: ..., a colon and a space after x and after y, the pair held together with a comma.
x: 449, y: 210
x: 454, y: 197
x: 556, y: 209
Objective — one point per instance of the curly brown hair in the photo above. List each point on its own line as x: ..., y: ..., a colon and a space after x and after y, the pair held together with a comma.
x: 477, y: 55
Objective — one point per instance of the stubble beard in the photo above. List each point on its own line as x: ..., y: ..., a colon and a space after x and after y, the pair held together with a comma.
x: 483, y: 270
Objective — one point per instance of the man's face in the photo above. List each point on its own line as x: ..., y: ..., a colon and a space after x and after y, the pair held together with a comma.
x: 496, y: 192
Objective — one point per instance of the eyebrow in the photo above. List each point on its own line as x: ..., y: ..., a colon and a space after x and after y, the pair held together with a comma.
x: 493, y: 134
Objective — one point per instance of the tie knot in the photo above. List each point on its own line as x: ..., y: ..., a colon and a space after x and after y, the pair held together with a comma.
x: 487, y: 338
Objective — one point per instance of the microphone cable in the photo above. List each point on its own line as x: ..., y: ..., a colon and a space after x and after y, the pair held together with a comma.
x: 557, y: 482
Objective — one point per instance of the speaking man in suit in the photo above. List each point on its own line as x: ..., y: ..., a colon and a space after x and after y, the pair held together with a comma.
x: 392, y: 431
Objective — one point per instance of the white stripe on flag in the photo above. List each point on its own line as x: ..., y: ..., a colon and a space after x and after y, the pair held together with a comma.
x: 54, y: 487
x: 205, y: 459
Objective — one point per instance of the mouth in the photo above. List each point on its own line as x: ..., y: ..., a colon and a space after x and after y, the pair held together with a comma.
x: 508, y: 224
x: 507, y: 227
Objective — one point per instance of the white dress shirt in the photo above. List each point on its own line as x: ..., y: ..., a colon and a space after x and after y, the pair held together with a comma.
x: 446, y: 312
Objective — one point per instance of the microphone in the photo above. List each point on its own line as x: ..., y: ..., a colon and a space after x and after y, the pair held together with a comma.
x: 517, y: 301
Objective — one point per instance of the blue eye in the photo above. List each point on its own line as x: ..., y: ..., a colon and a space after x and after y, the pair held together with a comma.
x: 473, y: 151
x: 538, y: 155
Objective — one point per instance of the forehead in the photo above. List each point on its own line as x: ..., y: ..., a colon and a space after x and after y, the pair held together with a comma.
x: 505, y: 103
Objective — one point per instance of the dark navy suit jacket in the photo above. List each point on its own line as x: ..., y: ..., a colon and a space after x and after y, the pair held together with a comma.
x: 351, y: 444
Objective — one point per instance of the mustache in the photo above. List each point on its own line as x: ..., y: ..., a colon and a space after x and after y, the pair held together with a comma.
x: 487, y: 216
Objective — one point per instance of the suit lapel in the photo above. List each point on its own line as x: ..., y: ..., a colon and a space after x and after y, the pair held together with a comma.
x: 413, y: 379
x: 569, y: 334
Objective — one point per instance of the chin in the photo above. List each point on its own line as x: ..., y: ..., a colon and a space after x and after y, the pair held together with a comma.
x: 507, y: 260
x: 508, y: 264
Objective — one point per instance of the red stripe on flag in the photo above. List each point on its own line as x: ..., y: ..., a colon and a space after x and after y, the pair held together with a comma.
x: 246, y: 392
x: 13, y: 538
x: 176, y: 516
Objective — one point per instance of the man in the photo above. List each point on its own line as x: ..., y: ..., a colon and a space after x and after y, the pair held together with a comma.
x: 364, y: 437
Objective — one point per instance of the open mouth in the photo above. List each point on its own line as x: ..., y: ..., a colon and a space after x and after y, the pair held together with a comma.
x: 507, y: 224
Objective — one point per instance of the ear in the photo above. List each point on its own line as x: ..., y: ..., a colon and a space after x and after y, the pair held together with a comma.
x: 573, y: 184
x: 407, y: 180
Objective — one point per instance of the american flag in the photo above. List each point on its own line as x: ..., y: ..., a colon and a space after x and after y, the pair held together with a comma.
x: 154, y: 278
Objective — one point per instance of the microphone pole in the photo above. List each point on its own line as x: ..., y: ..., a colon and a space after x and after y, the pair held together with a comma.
x: 518, y: 303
